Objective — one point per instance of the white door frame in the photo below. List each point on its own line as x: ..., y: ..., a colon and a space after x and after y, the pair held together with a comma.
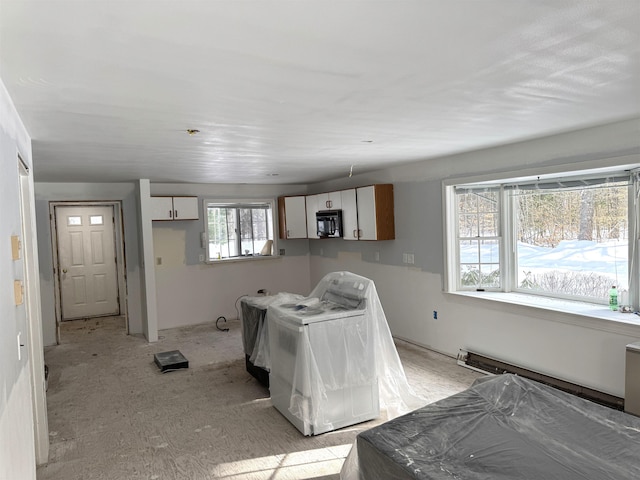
x: 120, y: 255
x: 34, y: 313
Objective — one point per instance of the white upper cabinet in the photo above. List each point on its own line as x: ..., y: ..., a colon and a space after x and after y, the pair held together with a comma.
x: 312, y: 208
x: 365, y: 197
x: 185, y: 208
x: 367, y: 213
x: 375, y: 212
x: 161, y: 208
x: 349, y: 214
x: 174, y: 208
x: 329, y: 201
x: 293, y: 217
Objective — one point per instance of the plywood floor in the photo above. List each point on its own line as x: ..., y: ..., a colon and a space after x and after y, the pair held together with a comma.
x: 113, y: 415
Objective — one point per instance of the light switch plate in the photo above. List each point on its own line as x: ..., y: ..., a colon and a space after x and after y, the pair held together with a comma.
x: 16, y: 247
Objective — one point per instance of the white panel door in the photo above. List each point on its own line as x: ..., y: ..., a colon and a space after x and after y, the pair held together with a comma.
x: 86, y: 261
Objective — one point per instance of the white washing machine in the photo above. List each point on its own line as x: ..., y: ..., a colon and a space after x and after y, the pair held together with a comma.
x: 323, y: 370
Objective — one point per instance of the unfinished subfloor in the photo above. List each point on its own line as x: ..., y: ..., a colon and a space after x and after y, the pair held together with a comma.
x: 113, y: 415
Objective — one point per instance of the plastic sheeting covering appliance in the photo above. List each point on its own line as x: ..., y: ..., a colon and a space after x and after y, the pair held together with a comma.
x: 333, y: 360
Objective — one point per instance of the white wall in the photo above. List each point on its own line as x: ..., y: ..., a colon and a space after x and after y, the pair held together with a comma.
x: 544, y: 341
x: 193, y: 294
x: 190, y: 292
x: 17, y: 453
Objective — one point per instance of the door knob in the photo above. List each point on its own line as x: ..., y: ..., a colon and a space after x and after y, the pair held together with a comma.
x: 64, y: 270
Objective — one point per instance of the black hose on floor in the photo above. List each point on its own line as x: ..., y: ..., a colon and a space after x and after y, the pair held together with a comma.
x: 225, y: 320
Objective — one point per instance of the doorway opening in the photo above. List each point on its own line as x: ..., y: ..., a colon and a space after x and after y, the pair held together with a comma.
x: 88, y: 261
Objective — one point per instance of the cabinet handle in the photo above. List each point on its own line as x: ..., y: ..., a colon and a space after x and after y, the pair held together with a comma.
x: 359, y: 233
x: 175, y: 214
x: 328, y: 203
x: 355, y: 234
x: 170, y: 213
x: 288, y: 233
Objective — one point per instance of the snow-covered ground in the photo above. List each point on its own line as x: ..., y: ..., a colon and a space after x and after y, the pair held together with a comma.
x: 607, y: 258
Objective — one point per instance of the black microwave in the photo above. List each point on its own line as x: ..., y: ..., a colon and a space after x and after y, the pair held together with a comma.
x: 329, y: 223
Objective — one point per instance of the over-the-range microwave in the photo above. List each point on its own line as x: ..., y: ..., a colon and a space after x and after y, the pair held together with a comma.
x: 329, y: 223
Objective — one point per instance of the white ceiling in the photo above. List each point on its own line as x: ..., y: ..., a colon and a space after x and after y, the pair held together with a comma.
x: 305, y: 89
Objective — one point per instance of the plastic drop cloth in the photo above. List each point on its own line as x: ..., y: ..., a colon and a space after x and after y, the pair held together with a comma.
x: 343, y: 362
x: 255, y: 335
x: 396, y: 396
x: 502, y: 427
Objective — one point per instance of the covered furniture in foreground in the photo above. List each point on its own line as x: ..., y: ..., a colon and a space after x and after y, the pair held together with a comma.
x: 502, y: 427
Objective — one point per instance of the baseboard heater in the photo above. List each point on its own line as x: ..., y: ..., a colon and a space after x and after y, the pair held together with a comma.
x: 485, y: 364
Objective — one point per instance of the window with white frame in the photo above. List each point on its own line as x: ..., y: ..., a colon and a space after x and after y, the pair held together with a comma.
x: 239, y: 229
x: 570, y: 238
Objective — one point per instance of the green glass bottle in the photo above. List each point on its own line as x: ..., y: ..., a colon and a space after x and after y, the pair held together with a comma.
x: 613, y: 298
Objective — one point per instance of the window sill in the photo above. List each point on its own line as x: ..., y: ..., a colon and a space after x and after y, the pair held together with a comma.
x: 252, y: 258
x: 583, y: 314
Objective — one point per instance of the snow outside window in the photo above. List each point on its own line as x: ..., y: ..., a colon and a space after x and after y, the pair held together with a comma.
x: 479, y: 239
x: 570, y: 238
x: 572, y: 242
x: 239, y: 230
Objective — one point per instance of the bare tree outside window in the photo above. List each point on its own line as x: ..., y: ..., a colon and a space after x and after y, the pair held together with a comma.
x: 238, y: 231
x: 562, y: 222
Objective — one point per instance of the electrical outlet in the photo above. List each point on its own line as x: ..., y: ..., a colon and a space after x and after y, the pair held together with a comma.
x: 405, y: 258
x: 201, y: 257
x: 410, y: 258
x: 435, y: 314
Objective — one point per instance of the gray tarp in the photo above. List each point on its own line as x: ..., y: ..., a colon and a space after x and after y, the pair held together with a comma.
x: 502, y: 427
